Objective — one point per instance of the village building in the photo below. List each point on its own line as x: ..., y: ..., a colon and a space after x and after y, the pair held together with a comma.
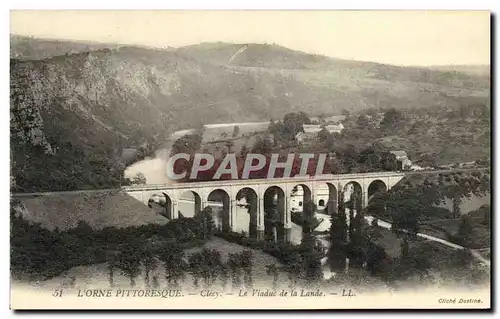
x: 311, y: 131
x: 334, y: 128
x: 402, y: 160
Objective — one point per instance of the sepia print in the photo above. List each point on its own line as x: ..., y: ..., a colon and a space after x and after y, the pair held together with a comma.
x: 250, y: 159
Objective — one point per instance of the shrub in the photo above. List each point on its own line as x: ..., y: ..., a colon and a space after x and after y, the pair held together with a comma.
x: 278, y: 250
x: 38, y: 251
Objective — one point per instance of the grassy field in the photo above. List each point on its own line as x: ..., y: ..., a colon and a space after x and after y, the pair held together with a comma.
x: 219, y: 145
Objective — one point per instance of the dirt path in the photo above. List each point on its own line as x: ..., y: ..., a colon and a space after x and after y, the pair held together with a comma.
x: 476, y: 254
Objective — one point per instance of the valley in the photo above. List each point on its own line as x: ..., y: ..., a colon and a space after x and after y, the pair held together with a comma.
x: 93, y: 116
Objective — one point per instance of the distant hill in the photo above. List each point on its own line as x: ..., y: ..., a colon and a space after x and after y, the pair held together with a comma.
x: 335, y: 84
x: 482, y: 70
x: 256, y: 55
x: 75, y: 106
x: 31, y: 48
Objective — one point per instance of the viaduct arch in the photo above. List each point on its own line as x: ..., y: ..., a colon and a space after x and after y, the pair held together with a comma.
x: 268, y: 203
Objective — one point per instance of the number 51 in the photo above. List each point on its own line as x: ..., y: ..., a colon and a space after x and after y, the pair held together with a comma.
x: 57, y: 293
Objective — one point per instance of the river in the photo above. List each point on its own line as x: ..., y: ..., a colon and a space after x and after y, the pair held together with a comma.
x: 155, y: 169
x: 155, y: 172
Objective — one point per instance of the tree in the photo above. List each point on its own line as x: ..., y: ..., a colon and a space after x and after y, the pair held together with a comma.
x: 321, y: 117
x: 311, y: 252
x: 207, y: 224
x: 310, y: 222
x: 407, y: 204
x: 244, y: 151
x: 362, y: 122
x: 404, y: 262
x: 275, y: 129
x: 139, y: 179
x: 271, y: 218
x: 262, y: 146
x: 348, y: 157
x: 224, y: 274
x: 370, y: 159
x: 112, y: 261
x: 405, y: 248
x: 374, y: 231
x: 461, y: 258
x: 465, y: 111
x: 377, y: 261
x: 149, y: 261
x: 345, y: 112
x: 338, y: 237
x: 172, y: 257
x: 234, y: 264
x: 358, y: 242
x: 188, y: 143
x: 293, y: 123
x: 206, y: 264
x: 359, y: 238
x: 418, y: 259
x: 155, y: 283
x: 486, y: 215
x: 323, y: 135
x: 391, y: 120
x: 129, y: 261
x: 351, y: 205
x: 247, y: 265
x: 465, y: 233
x: 285, y: 132
x: 456, y: 206
x: 194, y: 266
x: 372, y: 112
x: 388, y: 161
x: 236, y: 130
x: 229, y: 145
x: 294, y: 267
x: 272, y: 270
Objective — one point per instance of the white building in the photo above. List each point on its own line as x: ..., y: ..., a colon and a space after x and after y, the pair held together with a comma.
x: 415, y: 167
x: 312, y: 128
x: 334, y: 128
x: 402, y: 159
x: 311, y: 131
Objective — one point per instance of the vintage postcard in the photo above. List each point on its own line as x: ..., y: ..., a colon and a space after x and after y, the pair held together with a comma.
x: 250, y: 160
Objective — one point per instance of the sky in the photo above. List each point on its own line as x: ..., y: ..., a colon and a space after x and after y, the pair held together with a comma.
x: 419, y: 38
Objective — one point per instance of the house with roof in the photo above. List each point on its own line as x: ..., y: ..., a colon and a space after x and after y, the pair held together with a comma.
x: 334, y: 128
x: 311, y: 128
x: 311, y: 131
x: 402, y: 160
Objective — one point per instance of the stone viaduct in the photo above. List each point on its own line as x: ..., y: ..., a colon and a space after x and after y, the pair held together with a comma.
x: 258, y: 191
